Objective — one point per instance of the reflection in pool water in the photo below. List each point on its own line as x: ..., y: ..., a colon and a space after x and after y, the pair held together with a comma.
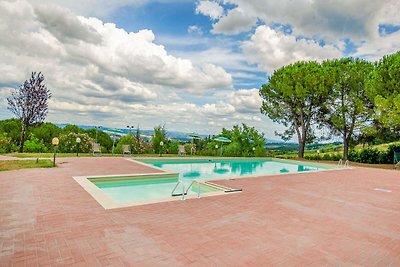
x: 211, y: 169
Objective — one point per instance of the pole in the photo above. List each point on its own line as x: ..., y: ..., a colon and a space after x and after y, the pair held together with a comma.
x: 54, y: 156
x: 77, y: 149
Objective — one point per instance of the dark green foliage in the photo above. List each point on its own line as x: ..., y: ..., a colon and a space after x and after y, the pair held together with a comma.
x: 294, y: 97
x: 45, y: 132
x: 374, y: 156
x: 6, y: 144
x: 34, y: 144
x: 172, y: 147
x: 376, y: 133
x: 103, y: 139
x: 11, y: 127
x: 384, y: 89
x: 158, y: 137
x: 128, y: 139
x: 348, y: 107
x: 70, y: 128
x: 246, y: 142
x: 325, y: 156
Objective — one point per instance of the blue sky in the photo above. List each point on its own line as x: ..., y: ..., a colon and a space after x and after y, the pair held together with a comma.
x: 191, y: 65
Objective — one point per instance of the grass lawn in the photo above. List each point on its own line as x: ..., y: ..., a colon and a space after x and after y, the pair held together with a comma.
x: 64, y: 155
x: 9, y: 165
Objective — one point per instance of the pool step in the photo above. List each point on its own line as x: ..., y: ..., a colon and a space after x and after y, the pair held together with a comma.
x: 178, y: 194
x: 224, y: 188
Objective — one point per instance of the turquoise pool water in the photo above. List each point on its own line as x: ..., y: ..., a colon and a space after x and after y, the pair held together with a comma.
x: 139, y: 189
x: 124, y: 189
x: 228, y: 168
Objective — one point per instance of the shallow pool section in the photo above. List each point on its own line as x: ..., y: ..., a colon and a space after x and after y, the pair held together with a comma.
x: 229, y: 168
x: 136, y: 188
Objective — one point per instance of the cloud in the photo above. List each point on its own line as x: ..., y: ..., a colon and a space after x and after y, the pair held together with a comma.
x: 99, y: 73
x: 377, y: 48
x: 330, y: 20
x: 53, y: 39
x: 64, y: 25
x: 236, y: 21
x: 195, y: 29
x: 209, y: 8
x: 271, y: 49
x: 246, y: 100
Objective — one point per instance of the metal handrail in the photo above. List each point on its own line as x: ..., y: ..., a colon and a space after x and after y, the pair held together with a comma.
x: 185, y: 192
x: 340, y: 163
x: 346, y: 164
x: 198, y: 187
x: 183, y: 189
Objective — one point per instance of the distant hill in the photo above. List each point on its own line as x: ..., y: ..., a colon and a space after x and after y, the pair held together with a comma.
x: 181, y: 136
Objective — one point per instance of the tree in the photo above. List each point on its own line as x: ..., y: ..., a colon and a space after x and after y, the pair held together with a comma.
x: 159, y: 136
x: 46, y: 132
x: 138, y: 147
x: 294, y: 97
x: 246, y: 141
x: 102, y: 138
x: 348, y: 107
x: 12, y: 127
x: 128, y: 139
x: 384, y: 89
x: 29, y: 103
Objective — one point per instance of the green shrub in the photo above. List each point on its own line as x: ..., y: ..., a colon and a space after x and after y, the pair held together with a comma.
x: 390, y: 152
x: 324, y: 156
x: 374, y: 156
x: 128, y: 139
x: 5, y: 143
x: 34, y: 145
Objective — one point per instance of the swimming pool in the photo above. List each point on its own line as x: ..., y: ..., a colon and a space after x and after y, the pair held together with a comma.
x: 229, y: 168
x: 129, y: 190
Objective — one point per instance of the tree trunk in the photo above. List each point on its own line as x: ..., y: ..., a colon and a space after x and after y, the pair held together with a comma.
x: 22, y: 139
x: 346, y: 142
x: 302, y: 144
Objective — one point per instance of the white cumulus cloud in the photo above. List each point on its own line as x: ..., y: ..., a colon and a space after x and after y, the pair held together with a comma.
x: 209, y: 8
x: 272, y: 49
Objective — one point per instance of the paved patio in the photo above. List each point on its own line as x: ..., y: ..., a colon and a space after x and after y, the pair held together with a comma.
x: 326, y: 218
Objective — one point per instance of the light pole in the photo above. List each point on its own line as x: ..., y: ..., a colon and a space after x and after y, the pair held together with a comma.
x: 161, y: 147
x: 130, y: 129
x: 318, y: 155
x: 55, y: 143
x: 254, y: 151
x: 97, y: 128
x: 78, y: 141
x: 216, y: 148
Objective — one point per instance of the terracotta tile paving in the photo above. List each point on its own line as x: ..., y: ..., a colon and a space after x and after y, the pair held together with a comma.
x: 314, y: 219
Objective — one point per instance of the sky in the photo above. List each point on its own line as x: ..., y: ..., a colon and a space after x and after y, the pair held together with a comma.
x: 189, y: 65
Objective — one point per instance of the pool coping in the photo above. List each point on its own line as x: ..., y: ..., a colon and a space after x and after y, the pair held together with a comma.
x: 108, y: 203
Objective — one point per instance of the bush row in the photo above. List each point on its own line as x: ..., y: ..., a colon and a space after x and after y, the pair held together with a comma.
x: 374, y: 156
x: 366, y: 155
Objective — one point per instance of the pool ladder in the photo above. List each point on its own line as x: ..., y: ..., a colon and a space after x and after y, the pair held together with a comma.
x: 346, y: 164
x: 184, y: 192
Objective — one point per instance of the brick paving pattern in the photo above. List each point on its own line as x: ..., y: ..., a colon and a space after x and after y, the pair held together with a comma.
x: 309, y: 219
